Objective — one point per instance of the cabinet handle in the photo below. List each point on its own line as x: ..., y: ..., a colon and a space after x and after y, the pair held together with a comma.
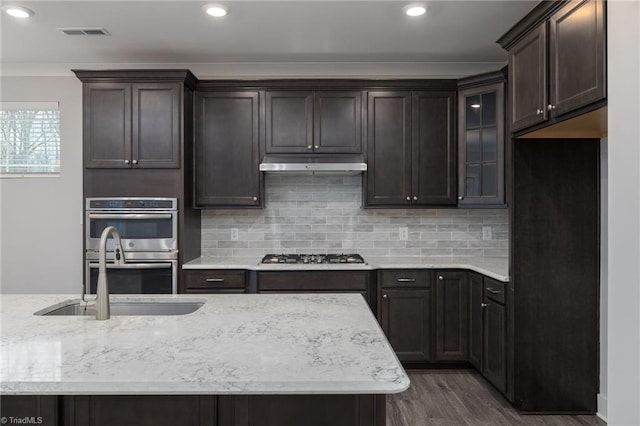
x: 408, y: 198
x: 440, y: 277
x: 460, y: 197
x: 406, y: 280
x: 550, y: 107
x: 255, y: 198
x: 384, y: 296
x: 415, y: 198
x: 316, y: 147
x: 492, y: 291
x: 309, y: 146
x: 135, y: 161
x: 215, y: 280
x: 126, y: 161
x: 484, y: 305
x: 539, y: 111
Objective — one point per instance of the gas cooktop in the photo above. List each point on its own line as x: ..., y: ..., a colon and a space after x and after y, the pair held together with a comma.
x: 325, y: 259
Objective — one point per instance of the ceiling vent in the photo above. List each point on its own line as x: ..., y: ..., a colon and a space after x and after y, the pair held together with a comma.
x: 85, y: 31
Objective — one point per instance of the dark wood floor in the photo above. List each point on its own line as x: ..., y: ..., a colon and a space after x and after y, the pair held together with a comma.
x: 462, y: 397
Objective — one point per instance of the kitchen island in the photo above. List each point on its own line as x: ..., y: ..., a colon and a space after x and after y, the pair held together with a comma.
x: 238, y: 360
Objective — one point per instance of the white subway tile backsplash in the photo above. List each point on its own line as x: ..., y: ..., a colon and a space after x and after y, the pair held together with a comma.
x: 324, y: 214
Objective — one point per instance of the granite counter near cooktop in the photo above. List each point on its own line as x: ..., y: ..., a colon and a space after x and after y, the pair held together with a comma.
x: 493, y: 267
x: 234, y: 344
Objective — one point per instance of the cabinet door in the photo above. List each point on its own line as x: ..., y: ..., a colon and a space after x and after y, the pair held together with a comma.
x: 289, y: 122
x: 495, y: 344
x: 389, y: 148
x: 156, y: 125
x: 481, y: 149
x: 452, y: 317
x: 337, y: 122
x: 528, y: 79
x: 45, y: 407
x: 433, y: 149
x: 577, y: 56
x: 405, y: 316
x: 476, y: 339
x: 107, y: 125
x: 226, y: 149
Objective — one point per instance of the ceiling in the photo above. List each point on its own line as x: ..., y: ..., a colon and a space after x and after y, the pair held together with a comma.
x: 262, y: 38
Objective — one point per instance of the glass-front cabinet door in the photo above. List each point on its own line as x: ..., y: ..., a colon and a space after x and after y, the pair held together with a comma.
x: 481, y: 145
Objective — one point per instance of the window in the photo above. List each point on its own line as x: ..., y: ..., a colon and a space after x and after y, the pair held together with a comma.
x: 29, y: 138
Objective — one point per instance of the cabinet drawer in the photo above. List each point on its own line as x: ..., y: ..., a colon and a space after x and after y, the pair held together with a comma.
x: 494, y: 290
x: 405, y: 278
x: 313, y: 280
x: 215, y: 279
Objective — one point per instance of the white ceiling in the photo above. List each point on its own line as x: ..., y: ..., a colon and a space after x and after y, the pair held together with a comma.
x: 262, y: 38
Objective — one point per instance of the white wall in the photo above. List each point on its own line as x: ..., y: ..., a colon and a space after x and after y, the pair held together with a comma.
x: 623, y: 281
x: 41, y: 239
x: 604, y: 273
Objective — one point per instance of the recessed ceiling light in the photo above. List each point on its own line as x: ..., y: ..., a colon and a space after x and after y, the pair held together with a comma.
x: 415, y: 10
x: 216, y: 10
x: 18, y: 11
x: 475, y: 105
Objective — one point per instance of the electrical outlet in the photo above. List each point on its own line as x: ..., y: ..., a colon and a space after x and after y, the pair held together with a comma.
x: 234, y: 234
x: 486, y: 232
x: 404, y: 233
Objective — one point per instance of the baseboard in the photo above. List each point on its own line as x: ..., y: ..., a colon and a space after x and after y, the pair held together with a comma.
x: 602, y: 407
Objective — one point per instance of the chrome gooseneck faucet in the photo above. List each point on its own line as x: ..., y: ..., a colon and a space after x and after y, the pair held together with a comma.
x: 102, y: 306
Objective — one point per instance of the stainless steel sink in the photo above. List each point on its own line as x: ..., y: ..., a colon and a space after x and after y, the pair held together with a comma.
x: 138, y: 307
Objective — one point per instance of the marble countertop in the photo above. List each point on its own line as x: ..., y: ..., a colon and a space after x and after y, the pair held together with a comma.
x: 234, y: 344
x: 494, y: 267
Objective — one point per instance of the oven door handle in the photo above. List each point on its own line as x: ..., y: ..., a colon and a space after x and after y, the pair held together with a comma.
x: 130, y: 216
x: 162, y: 265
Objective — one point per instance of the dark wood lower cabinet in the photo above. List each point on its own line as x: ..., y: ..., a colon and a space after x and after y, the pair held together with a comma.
x: 298, y: 410
x: 452, y: 316
x: 495, y: 344
x: 476, y: 320
x: 405, y: 317
x: 40, y: 410
x: 196, y: 410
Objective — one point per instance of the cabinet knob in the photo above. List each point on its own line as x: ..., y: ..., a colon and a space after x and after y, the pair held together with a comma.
x: 255, y: 198
x: 309, y: 146
x: 440, y: 277
x: 316, y: 147
x: 126, y: 161
x: 384, y: 296
x: 460, y: 197
x: 484, y: 305
x: 415, y: 198
x: 550, y: 107
x: 539, y: 111
x: 135, y: 161
x: 408, y: 198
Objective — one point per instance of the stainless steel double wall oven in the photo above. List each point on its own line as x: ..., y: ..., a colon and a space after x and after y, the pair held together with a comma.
x: 148, y: 228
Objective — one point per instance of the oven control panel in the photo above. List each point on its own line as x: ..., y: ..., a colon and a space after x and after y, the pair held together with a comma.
x: 131, y: 203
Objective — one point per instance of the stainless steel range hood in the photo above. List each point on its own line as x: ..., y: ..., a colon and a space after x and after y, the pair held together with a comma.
x: 313, y: 164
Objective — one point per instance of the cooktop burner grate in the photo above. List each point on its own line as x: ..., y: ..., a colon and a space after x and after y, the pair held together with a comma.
x: 332, y: 258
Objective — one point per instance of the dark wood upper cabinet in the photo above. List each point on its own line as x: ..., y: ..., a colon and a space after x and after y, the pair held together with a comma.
x: 481, y: 129
x: 132, y: 125
x: 227, y: 149
x: 289, y: 122
x: 476, y: 309
x: 528, y: 79
x: 135, y: 118
x: 577, y: 56
x: 338, y: 122
x: 452, y: 316
x: 433, y: 152
x: 389, y: 148
x: 411, y: 148
x: 303, y: 122
x: 107, y: 125
x: 156, y: 125
x: 557, y: 62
